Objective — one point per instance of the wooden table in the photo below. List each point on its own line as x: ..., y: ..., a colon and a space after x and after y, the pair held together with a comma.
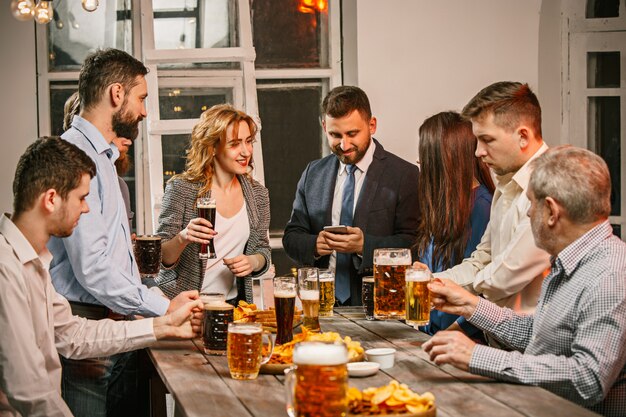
x: 201, y: 385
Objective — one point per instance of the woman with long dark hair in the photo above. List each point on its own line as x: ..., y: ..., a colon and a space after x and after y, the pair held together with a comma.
x: 455, y: 190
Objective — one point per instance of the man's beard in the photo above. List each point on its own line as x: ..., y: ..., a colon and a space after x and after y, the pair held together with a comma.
x: 354, y: 158
x: 123, y: 124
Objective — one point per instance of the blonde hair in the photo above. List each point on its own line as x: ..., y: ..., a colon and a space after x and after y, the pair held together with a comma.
x: 205, y: 139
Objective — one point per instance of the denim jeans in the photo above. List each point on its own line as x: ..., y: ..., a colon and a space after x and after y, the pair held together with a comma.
x: 102, y: 387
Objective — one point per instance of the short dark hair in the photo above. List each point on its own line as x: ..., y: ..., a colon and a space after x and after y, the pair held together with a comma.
x: 49, y: 162
x: 343, y: 100
x: 103, y: 68
x: 510, y: 102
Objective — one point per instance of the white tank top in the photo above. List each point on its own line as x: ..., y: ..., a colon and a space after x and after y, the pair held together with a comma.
x: 232, y: 235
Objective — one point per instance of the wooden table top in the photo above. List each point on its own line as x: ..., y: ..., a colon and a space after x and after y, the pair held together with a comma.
x: 201, y: 385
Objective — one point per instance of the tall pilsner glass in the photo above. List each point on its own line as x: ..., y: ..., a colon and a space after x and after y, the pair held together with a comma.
x: 389, y: 284
x: 285, y: 303
x: 327, y: 292
x: 206, y: 209
x: 417, y: 295
x: 309, y: 293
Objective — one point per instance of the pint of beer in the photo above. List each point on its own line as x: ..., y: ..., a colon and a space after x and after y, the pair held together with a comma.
x: 327, y: 292
x: 309, y: 292
x: 389, y: 298
x: 285, y: 303
x: 147, y: 251
x: 367, y: 296
x: 206, y: 209
x: 217, y: 315
x: 245, y: 349
x: 417, y: 295
x: 317, y: 384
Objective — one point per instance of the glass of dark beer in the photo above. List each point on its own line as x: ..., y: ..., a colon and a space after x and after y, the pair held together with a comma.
x: 148, y: 255
x: 217, y: 314
x: 206, y: 209
x: 367, y: 296
x: 285, y: 302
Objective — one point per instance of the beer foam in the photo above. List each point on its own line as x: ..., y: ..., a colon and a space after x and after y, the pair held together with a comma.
x: 207, y: 206
x: 245, y: 329
x: 393, y: 261
x: 309, y: 295
x: 218, y: 306
x: 320, y: 354
x: 285, y: 293
x: 417, y: 275
x: 148, y: 237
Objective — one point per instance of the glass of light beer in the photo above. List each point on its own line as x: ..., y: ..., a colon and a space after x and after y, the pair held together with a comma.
x: 317, y: 384
x: 147, y: 250
x: 285, y: 303
x: 417, y: 295
x: 389, y: 286
x: 327, y: 292
x: 206, y: 209
x: 245, y: 349
x: 217, y: 315
x: 309, y: 293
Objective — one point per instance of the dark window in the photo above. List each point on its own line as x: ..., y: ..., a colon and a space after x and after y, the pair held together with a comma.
x: 602, y: 8
x: 603, y: 69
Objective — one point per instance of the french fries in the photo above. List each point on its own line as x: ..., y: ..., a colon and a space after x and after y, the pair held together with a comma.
x: 394, y: 398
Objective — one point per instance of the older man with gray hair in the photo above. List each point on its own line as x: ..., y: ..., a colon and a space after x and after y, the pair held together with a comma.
x: 575, y: 343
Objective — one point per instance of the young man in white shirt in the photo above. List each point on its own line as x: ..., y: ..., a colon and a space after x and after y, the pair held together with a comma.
x: 50, y: 187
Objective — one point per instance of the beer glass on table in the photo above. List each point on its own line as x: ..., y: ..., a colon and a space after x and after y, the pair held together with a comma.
x: 417, y: 295
x: 367, y: 297
x: 389, y: 286
x: 317, y: 383
x: 285, y: 303
x: 147, y: 250
x: 217, y: 315
x: 309, y: 293
x: 206, y: 209
x: 245, y: 349
x: 327, y: 292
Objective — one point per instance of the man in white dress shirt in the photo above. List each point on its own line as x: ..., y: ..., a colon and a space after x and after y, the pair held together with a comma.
x: 507, y: 267
x: 50, y: 187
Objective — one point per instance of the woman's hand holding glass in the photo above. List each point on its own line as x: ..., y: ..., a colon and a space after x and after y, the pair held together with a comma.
x: 198, y: 230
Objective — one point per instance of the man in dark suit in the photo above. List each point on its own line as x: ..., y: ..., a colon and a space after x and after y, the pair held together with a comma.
x: 362, y: 186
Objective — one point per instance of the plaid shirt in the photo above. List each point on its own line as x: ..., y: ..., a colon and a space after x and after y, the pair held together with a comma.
x: 575, y: 343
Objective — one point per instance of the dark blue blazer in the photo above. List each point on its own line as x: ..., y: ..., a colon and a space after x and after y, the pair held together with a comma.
x: 386, y: 211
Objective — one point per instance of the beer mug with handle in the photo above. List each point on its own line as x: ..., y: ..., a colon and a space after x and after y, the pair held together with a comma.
x: 389, y: 284
x: 317, y: 383
x: 245, y: 349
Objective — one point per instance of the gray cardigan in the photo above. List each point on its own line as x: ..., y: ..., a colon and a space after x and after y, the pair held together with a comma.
x: 179, y: 207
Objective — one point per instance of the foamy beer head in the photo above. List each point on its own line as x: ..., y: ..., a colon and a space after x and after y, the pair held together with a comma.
x: 392, y: 256
x: 319, y: 353
x: 416, y: 274
x: 309, y: 295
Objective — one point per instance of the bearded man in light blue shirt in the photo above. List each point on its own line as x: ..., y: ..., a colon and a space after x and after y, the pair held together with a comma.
x: 94, y: 268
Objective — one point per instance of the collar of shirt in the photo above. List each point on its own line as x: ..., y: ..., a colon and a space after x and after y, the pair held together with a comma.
x: 569, y: 258
x: 522, y: 176
x: 22, y: 247
x: 93, y: 135
x: 364, y: 163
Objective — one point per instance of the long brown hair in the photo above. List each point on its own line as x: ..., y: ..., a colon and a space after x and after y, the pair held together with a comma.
x: 205, y: 141
x: 448, y: 167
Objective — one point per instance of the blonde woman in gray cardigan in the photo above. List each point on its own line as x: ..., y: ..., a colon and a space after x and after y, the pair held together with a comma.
x: 218, y: 165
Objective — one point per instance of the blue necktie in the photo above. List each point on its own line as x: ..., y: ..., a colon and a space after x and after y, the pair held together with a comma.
x: 342, y: 273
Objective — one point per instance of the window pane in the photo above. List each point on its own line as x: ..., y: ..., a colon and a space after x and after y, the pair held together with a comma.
x: 604, y: 139
x: 602, y: 8
x: 76, y: 33
x: 59, y: 93
x: 617, y: 230
x: 292, y: 137
x: 189, y: 103
x: 174, y: 147
x: 603, y: 69
x: 195, y: 24
x: 290, y: 33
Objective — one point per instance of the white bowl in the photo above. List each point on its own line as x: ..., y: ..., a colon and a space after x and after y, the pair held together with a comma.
x: 383, y: 356
x: 359, y: 369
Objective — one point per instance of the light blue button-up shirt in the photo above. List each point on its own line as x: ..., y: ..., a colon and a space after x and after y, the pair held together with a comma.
x: 96, y: 264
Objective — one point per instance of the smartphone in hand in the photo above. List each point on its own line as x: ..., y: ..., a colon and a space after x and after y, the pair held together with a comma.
x: 341, y: 230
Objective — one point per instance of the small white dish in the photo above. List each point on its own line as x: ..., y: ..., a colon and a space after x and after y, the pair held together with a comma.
x: 359, y: 369
x: 384, y: 357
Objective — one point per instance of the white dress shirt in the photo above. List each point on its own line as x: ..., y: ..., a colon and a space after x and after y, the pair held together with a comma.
x: 506, y: 267
x: 37, y: 325
x: 359, y: 179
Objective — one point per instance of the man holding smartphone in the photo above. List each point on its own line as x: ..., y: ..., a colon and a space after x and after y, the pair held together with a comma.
x: 370, y: 191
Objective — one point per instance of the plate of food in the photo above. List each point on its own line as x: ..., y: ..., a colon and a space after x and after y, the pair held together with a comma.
x: 392, y: 400
x: 282, y: 357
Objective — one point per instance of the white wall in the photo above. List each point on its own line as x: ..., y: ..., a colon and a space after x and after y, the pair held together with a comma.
x: 18, y: 103
x: 417, y: 58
